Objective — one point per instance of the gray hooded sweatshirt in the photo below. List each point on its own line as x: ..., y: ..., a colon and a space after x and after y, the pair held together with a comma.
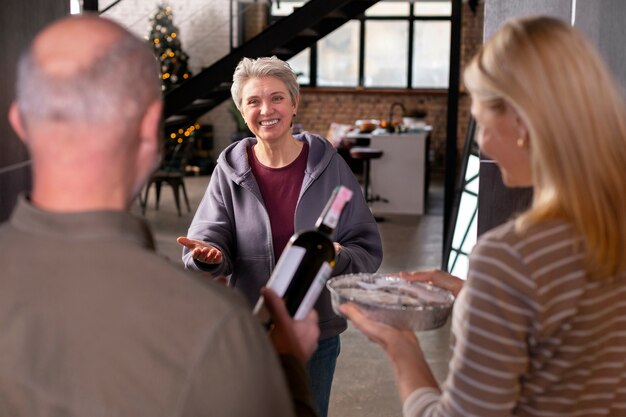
x: 232, y: 217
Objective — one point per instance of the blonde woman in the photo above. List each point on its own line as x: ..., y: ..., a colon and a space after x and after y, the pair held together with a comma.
x: 540, y: 325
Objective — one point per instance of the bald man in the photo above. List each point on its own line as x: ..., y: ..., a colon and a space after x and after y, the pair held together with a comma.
x: 92, y: 321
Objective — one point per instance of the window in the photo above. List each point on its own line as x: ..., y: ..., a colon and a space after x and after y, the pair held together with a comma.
x: 385, y: 61
x: 389, y: 8
x: 464, y: 211
x: 338, y: 57
x: 74, y: 6
x: 432, y: 8
x: 431, y: 60
x: 465, y: 231
x: 285, y: 8
x: 301, y: 65
x: 396, y: 44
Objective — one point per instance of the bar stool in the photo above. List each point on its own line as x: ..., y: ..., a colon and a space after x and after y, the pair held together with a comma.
x: 367, y: 154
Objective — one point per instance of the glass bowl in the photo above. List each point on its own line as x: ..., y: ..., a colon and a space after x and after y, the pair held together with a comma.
x: 392, y: 300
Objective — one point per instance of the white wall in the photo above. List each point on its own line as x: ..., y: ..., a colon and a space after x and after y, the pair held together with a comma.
x: 603, y: 23
x: 204, y: 35
x: 203, y: 25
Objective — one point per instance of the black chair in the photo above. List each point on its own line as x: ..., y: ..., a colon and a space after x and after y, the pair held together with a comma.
x: 171, y: 172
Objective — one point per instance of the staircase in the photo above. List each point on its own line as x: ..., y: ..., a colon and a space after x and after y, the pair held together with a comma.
x: 284, y: 38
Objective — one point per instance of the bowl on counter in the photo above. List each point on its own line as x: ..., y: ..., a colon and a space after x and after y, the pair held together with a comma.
x: 392, y: 300
x: 366, y: 125
x: 413, y: 123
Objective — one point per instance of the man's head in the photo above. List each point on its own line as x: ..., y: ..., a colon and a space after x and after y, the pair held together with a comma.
x: 88, y: 99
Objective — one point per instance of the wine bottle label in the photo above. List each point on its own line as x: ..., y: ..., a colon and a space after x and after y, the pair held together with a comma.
x: 314, y: 291
x: 285, y: 269
x: 344, y: 194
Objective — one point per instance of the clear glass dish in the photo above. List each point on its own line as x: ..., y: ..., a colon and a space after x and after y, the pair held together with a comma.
x: 392, y: 300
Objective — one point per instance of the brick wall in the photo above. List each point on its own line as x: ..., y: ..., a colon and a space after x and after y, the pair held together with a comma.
x: 471, y: 41
x: 319, y: 107
x: 255, y: 17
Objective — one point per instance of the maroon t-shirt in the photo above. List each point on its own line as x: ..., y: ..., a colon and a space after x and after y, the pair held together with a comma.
x: 280, y: 189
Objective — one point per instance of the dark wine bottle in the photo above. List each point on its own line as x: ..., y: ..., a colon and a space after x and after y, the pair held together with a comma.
x: 306, y: 262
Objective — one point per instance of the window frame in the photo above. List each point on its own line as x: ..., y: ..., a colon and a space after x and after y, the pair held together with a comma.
x: 362, y: 19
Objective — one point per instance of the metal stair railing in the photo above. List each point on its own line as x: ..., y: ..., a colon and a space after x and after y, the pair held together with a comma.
x: 284, y: 38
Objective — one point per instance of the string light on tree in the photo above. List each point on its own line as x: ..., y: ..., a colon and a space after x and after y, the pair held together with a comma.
x: 182, y: 134
x: 164, y: 38
x: 167, y: 48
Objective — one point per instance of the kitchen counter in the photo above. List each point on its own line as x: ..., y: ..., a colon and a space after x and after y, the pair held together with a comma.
x: 400, y: 175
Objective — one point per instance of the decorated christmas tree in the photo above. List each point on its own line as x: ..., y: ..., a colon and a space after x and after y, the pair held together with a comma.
x: 164, y: 38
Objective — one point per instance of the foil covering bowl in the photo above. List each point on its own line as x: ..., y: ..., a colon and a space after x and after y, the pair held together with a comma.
x: 392, y: 300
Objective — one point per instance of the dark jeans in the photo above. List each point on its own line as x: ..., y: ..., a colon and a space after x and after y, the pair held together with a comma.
x: 321, y: 369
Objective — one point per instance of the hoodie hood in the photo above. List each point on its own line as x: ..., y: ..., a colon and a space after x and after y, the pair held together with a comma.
x: 234, y: 159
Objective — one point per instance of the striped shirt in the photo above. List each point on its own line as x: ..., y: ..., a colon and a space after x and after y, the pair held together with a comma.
x: 533, y: 334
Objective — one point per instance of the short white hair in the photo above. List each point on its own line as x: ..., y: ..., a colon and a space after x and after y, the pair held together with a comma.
x: 263, y: 67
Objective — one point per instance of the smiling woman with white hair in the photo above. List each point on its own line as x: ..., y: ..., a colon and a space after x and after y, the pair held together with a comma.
x: 267, y: 187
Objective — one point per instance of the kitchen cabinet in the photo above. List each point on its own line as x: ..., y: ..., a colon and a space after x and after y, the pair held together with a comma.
x: 400, y: 175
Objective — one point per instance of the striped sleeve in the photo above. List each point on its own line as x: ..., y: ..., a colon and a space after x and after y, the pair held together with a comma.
x: 535, y: 334
x: 492, y: 321
x: 419, y: 401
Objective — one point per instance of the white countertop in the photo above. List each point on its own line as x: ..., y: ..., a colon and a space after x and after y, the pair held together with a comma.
x: 382, y: 132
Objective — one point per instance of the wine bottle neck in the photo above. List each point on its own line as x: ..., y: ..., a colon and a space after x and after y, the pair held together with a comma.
x: 329, y: 218
x: 325, y: 229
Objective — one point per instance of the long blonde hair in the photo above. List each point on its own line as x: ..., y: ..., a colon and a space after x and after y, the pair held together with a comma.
x: 576, y: 117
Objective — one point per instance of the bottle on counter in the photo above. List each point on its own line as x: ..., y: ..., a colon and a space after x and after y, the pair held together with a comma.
x: 306, y: 262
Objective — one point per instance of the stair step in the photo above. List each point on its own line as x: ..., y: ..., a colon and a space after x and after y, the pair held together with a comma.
x: 176, y: 121
x: 204, y: 104
x: 309, y: 33
x: 223, y: 86
x: 285, y: 38
x: 201, y: 101
x: 175, y: 118
x: 282, y: 52
x: 337, y: 14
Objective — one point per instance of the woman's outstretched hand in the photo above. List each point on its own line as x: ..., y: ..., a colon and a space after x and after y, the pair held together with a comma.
x: 201, y: 251
x: 437, y: 278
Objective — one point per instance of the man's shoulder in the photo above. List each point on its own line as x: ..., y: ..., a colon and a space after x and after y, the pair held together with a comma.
x: 194, y: 286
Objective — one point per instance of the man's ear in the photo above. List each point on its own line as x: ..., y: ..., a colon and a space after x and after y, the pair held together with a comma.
x: 151, y: 128
x: 148, y: 148
x: 15, y: 119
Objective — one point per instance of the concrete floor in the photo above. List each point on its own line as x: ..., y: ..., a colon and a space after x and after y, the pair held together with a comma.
x: 364, y: 385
